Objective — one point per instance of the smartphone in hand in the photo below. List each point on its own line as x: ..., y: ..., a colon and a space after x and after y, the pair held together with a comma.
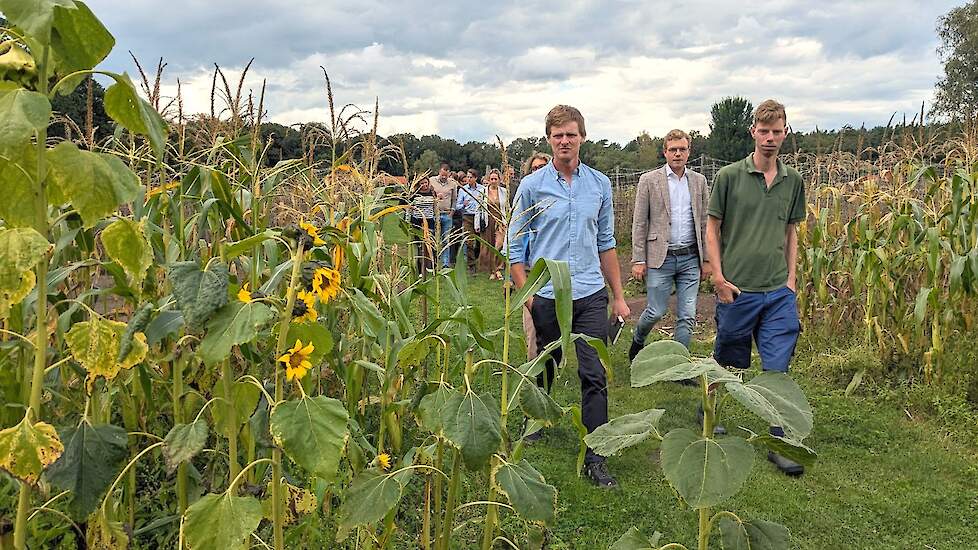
x: 615, y: 326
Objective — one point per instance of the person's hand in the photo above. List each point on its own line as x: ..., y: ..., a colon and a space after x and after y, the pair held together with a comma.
x: 620, y: 308
x: 638, y: 271
x: 792, y: 285
x: 705, y: 271
x: 726, y: 291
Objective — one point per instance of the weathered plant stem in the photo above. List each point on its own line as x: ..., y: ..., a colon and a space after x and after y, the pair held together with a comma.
x: 278, y: 516
x: 41, y: 324
x: 439, y: 463
x: 709, y: 420
x: 446, y: 534
x: 178, y: 419
x: 232, y: 420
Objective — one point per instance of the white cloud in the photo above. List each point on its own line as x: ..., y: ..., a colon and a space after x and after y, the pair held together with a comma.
x: 469, y: 70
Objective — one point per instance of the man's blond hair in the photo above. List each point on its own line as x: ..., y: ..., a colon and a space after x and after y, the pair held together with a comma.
x: 769, y: 111
x: 562, y: 114
x: 676, y: 135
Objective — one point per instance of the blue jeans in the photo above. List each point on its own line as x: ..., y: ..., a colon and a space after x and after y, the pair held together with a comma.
x: 683, y: 273
x: 769, y: 318
x: 446, y: 228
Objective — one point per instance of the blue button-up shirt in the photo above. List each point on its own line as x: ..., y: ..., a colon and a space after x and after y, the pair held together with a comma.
x: 681, y: 232
x: 468, y: 199
x: 573, y: 223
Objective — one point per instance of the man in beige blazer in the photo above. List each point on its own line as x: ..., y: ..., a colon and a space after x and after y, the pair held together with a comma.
x: 669, y: 239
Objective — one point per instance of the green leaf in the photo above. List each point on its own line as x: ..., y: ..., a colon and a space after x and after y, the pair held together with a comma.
x: 18, y: 176
x: 430, y: 409
x: 244, y: 398
x: 137, y: 323
x: 164, y: 324
x: 234, y: 324
x: 633, y: 539
x: 920, y: 304
x: 369, y: 498
x: 198, y: 293
x: 623, y: 432
x: 28, y: 448
x: 34, y: 17
x: 184, y: 442
x: 776, y: 398
x: 95, y: 344
x: 313, y: 432
x: 222, y: 521
x: 578, y: 421
x: 527, y: 491
x: 245, y: 246
x: 705, y: 471
x: 787, y: 448
x: 472, y: 424
x: 753, y: 535
x: 126, y: 107
x: 563, y: 299
x: 371, y: 321
x: 320, y: 337
x: 94, y: 183
x: 536, y: 403
x: 22, y: 113
x: 79, y: 42
x: 126, y: 243
x: 663, y: 360
x: 93, y: 456
x: 20, y: 250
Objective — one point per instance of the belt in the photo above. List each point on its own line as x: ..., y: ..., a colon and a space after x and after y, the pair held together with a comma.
x: 691, y: 249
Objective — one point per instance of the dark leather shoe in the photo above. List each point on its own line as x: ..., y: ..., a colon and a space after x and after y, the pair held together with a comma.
x: 633, y: 351
x: 787, y: 466
x: 597, y: 472
x: 718, y: 429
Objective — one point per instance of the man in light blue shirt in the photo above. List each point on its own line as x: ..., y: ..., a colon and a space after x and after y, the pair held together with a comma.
x: 470, y: 196
x: 566, y: 209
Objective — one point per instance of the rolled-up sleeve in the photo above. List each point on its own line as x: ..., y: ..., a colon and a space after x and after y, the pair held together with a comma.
x: 606, y: 220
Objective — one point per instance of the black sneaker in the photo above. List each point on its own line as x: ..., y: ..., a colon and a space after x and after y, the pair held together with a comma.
x: 787, y: 466
x: 597, y: 472
x: 633, y: 351
x: 718, y: 429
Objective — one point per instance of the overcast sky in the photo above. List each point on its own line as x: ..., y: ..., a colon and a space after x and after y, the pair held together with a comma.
x: 468, y: 70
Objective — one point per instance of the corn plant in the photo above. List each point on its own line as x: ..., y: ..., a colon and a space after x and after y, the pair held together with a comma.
x: 703, y: 469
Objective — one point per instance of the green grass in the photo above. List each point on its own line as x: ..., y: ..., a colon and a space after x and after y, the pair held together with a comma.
x: 882, y: 479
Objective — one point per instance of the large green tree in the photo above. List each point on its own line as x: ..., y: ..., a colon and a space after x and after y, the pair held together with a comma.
x: 730, y: 130
x: 956, y: 95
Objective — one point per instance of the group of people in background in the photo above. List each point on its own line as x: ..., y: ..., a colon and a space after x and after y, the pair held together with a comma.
x: 741, y: 234
x: 464, y: 211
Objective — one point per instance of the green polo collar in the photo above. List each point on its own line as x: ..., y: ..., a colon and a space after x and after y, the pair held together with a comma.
x: 752, y: 168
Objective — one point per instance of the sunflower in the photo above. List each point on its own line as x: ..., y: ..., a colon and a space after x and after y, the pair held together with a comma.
x: 297, y: 360
x: 326, y: 283
x: 244, y: 295
x: 304, y: 309
x: 383, y: 461
x: 312, y: 233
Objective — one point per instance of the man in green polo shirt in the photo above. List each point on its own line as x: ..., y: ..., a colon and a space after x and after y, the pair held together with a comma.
x: 752, y: 245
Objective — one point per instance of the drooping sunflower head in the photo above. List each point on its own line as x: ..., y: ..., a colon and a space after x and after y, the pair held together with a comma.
x: 304, y: 309
x: 310, y: 234
x: 296, y: 360
x: 326, y: 283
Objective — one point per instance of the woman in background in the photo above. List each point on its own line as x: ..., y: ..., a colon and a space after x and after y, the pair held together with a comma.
x: 532, y: 164
x: 423, y: 217
x: 492, y: 224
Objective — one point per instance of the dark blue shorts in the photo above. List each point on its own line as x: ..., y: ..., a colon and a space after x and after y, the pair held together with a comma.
x: 770, y: 318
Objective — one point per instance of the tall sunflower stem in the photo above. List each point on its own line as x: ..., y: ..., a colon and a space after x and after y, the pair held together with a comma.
x: 278, y: 514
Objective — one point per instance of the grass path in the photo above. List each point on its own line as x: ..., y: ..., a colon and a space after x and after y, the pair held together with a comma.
x: 882, y: 480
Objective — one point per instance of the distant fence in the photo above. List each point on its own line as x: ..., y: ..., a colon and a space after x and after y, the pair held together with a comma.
x: 624, y: 182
